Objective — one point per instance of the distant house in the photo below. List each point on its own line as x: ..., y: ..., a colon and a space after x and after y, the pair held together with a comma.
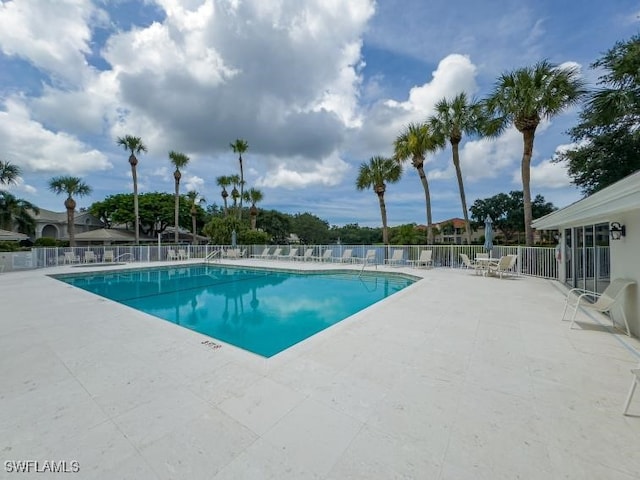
x: 54, y: 224
x: 452, y: 231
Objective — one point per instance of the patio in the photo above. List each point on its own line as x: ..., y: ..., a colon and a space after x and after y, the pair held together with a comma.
x: 459, y: 376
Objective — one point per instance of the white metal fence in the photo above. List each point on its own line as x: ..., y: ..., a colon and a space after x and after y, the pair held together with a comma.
x: 532, y: 261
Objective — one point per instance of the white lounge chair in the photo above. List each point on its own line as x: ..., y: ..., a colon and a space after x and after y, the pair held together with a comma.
x: 396, y: 258
x: 276, y: 253
x: 370, y: 258
x: 346, y: 256
x: 469, y: 264
x: 71, y: 257
x: 308, y: 255
x: 108, y: 256
x: 182, y: 254
x: 424, y: 259
x: 264, y: 254
x: 600, y: 302
x: 504, y: 266
x: 90, y: 257
x: 293, y: 253
x: 171, y: 254
x: 326, y: 256
x: 634, y: 383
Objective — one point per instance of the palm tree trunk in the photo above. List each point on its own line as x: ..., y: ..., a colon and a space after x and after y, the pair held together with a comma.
x: 241, y: 185
x: 176, y: 213
x: 528, y: 136
x: 254, y: 221
x: 136, y: 212
x: 71, y: 227
x: 383, y: 213
x: 427, y: 199
x: 463, y: 198
x: 193, y: 227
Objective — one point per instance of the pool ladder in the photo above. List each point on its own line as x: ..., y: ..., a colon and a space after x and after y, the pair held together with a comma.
x: 212, y: 256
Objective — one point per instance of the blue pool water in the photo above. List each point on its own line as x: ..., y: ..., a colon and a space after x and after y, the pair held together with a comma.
x: 263, y: 311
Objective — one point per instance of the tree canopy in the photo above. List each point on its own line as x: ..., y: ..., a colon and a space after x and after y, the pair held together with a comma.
x: 607, y: 140
x: 507, y: 212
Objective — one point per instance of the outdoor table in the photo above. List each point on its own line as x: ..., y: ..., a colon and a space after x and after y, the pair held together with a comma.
x: 486, y: 262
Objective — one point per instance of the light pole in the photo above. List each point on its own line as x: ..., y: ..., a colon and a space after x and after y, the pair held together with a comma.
x: 158, y: 225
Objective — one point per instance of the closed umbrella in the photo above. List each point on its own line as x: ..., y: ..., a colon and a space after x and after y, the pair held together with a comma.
x: 488, y: 234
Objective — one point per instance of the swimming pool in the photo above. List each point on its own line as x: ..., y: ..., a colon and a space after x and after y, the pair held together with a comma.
x: 259, y: 310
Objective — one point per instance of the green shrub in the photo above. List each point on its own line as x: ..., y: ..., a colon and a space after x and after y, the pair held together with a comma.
x: 46, y: 242
x: 9, y: 246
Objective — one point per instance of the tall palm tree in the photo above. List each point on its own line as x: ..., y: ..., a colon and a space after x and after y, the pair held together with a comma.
x: 17, y: 212
x: 526, y: 96
x: 253, y: 196
x: 413, y: 144
x: 194, y: 200
x: 452, y: 119
x: 70, y: 186
x: 223, y: 182
x: 376, y: 174
x: 235, y: 193
x: 178, y: 160
x: 134, y: 145
x: 240, y: 146
x: 9, y: 173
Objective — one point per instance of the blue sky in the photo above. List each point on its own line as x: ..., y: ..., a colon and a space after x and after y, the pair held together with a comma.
x: 316, y: 87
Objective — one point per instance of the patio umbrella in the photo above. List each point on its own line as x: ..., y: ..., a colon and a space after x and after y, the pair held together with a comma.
x: 488, y: 234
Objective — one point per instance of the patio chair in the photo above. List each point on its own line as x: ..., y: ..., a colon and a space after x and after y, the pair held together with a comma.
x: 424, y: 259
x: 264, y: 254
x: 71, y: 257
x: 396, y: 258
x: 327, y: 256
x: 276, y: 253
x: 504, y: 266
x: 370, y: 258
x: 346, y: 256
x: 470, y: 264
x: 308, y: 254
x: 171, y: 254
x: 634, y: 383
x: 89, y: 256
x: 182, y: 254
x: 108, y: 256
x: 599, y: 302
x: 231, y: 253
x: 293, y: 253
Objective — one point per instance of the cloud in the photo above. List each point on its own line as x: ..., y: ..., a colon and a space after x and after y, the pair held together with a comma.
x: 385, y: 119
x: 289, y: 174
x: 36, y: 149
x: 193, y: 182
x: 52, y: 35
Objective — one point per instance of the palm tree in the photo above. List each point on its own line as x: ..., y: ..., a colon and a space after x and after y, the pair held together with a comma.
x: 178, y: 160
x: 134, y: 145
x: 254, y: 196
x: 526, y: 96
x: 224, y: 181
x: 452, y: 119
x: 15, y: 211
x: 240, y: 146
x: 9, y: 173
x: 194, y: 199
x: 375, y: 175
x: 235, y: 193
x: 70, y: 186
x: 414, y: 143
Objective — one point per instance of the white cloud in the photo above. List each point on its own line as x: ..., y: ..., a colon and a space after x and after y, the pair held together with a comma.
x: 31, y: 146
x: 53, y: 35
x: 301, y: 173
x: 193, y: 182
x: 385, y: 119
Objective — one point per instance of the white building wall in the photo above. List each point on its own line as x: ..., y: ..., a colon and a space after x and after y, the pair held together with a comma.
x: 625, y: 263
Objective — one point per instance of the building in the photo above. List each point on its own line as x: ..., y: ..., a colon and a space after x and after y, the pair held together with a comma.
x: 600, y: 240
x: 452, y: 231
x: 54, y: 224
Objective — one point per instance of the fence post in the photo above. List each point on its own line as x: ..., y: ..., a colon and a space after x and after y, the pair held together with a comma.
x: 520, y: 259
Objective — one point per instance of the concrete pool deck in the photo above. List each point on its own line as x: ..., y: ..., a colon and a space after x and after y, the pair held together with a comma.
x: 455, y: 377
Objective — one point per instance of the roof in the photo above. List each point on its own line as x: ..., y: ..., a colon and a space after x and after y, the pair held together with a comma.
x: 49, y: 216
x: 620, y: 197
x: 109, y: 234
x: 6, y: 235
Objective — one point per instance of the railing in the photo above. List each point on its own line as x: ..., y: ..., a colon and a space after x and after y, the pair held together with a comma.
x: 532, y: 261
